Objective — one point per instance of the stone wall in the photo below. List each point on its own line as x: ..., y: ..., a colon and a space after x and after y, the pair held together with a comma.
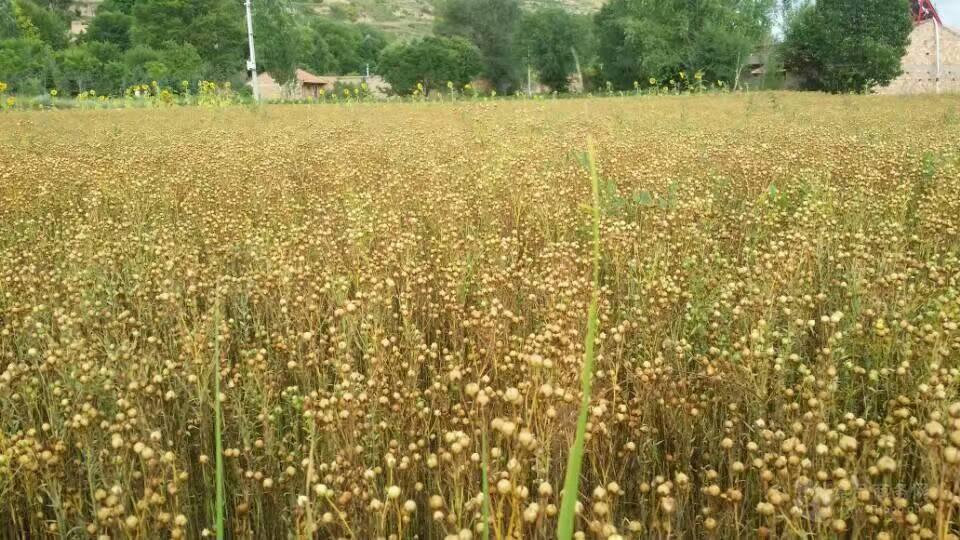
x: 920, y: 63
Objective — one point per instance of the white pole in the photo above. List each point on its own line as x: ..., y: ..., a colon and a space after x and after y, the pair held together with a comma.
x: 252, y: 62
x: 936, y: 26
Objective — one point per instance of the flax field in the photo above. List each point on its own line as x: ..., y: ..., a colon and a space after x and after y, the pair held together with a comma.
x: 335, y: 321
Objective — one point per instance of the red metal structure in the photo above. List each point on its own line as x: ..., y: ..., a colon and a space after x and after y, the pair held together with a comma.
x: 923, y: 10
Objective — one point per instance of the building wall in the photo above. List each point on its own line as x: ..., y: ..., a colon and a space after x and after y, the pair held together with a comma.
x: 269, y: 88
x: 375, y: 83
x: 84, y: 11
x: 920, y: 63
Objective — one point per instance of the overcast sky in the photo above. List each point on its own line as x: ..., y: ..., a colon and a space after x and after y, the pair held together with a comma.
x: 949, y: 11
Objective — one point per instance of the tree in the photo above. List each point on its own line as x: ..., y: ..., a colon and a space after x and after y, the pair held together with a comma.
x: 317, y: 56
x: 61, y: 7
x: 372, y: 43
x: 340, y: 40
x: 110, y: 27
x: 215, y: 28
x: 728, y: 36
x: 847, y: 45
x: 491, y: 25
x: 432, y: 62
x: 117, y: 6
x: 219, y: 35
x: 279, y: 40
x: 26, y: 65
x: 184, y: 61
x: 135, y: 61
x: 158, y: 21
x: 113, y: 79
x: 548, y: 37
x: 8, y: 22
x: 111, y: 74
x: 168, y: 65
x: 638, y: 39
x: 37, y: 22
x: 78, y: 68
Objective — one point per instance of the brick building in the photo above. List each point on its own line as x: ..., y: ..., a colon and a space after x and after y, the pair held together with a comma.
x: 932, y: 62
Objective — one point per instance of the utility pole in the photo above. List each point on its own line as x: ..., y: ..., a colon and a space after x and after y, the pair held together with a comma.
x: 252, y: 62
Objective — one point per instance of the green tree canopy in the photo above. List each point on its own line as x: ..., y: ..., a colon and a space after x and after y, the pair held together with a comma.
x: 548, y: 37
x: 38, y: 22
x: 169, y: 65
x: 280, y: 41
x: 8, y: 22
x: 372, y: 43
x: 847, y: 45
x: 135, y: 61
x: 110, y: 27
x: 215, y: 28
x: 117, y: 6
x: 338, y: 47
x: 638, y: 39
x: 491, y: 25
x: 288, y: 39
x: 316, y: 55
x: 26, y: 64
x: 78, y: 67
x: 432, y: 62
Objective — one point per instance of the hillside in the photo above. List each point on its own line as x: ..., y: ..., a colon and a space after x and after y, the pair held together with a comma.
x: 400, y: 18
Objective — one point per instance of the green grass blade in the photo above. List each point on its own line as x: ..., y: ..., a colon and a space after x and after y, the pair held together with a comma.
x: 485, y: 465
x: 571, y: 482
x: 218, y: 424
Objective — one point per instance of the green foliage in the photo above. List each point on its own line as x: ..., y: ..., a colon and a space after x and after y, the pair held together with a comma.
x: 279, y: 40
x: 110, y: 27
x: 491, y: 25
x: 117, y: 6
x: 8, y: 22
x: 173, y: 40
x: 341, y: 48
x: 78, y: 66
x: 341, y: 40
x: 317, y: 55
x: 215, y: 28
x: 184, y: 63
x: 344, y: 12
x: 847, y: 45
x: 136, y: 59
x: 220, y: 476
x: 37, y: 22
x: 571, y: 482
x: 26, y: 65
x: 220, y: 37
x: 617, y: 205
x: 168, y: 65
x: 372, y: 42
x: 159, y: 21
x: 639, y: 39
x: 546, y: 39
x: 61, y: 7
x: 430, y: 62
